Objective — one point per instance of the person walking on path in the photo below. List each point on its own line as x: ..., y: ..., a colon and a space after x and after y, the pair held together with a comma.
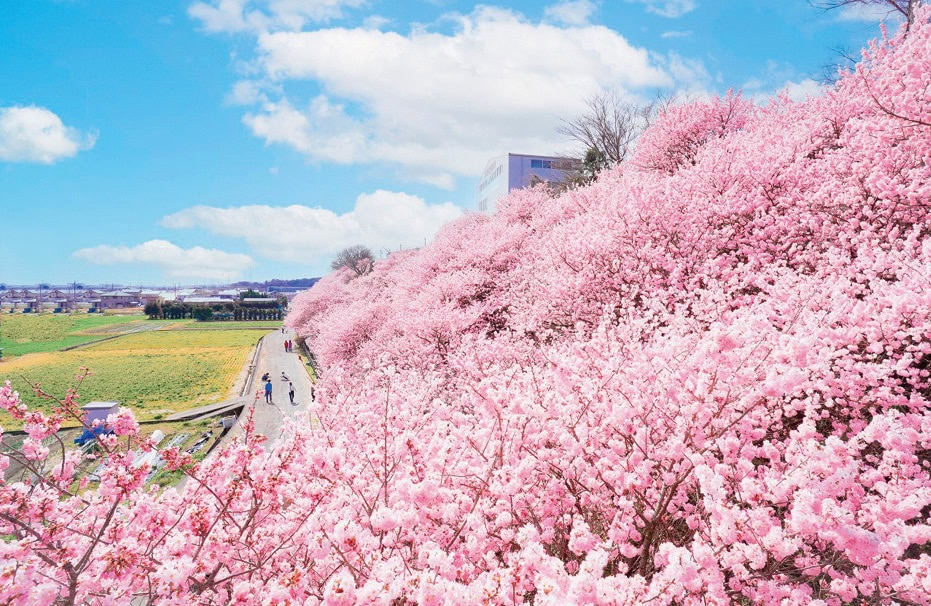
x: 268, y: 391
x: 291, y: 392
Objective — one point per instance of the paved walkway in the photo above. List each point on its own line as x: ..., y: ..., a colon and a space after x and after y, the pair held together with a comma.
x: 273, y: 359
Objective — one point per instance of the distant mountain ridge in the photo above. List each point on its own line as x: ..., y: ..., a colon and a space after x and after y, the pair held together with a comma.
x: 295, y: 283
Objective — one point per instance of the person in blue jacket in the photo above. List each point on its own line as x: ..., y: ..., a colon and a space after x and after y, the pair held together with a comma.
x: 268, y: 391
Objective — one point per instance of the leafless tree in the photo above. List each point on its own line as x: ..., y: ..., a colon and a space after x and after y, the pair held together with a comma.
x: 610, y: 125
x: 607, y: 132
x: 906, y: 8
x: 358, y: 258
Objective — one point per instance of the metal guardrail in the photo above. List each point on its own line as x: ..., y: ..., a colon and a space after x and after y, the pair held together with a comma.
x: 250, y: 378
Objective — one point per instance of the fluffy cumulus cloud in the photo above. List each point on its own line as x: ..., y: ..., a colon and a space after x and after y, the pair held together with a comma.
x: 379, y: 220
x: 440, y: 104
x: 175, y: 262
x: 668, y: 8
x: 243, y: 15
x: 321, y: 130
x: 36, y: 134
x: 804, y: 89
x: 571, y: 12
x: 781, y: 79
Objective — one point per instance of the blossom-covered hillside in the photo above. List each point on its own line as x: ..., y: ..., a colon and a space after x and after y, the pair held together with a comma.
x: 703, y: 379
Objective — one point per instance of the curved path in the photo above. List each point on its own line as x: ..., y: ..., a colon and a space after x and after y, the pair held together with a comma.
x: 273, y: 359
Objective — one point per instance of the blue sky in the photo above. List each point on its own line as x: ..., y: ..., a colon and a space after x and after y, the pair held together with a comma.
x: 211, y: 141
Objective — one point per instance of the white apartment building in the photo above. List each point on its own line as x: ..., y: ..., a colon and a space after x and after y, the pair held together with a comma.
x: 515, y: 171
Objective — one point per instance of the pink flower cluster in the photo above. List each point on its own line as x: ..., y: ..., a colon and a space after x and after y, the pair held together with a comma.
x: 705, y: 378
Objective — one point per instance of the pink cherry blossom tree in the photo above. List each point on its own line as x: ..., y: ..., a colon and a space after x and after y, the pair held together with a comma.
x: 705, y: 378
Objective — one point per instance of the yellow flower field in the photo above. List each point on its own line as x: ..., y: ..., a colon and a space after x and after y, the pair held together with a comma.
x: 180, y: 339
x: 155, y: 373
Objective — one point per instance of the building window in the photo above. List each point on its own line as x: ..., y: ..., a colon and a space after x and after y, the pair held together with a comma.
x: 491, y: 178
x: 541, y: 164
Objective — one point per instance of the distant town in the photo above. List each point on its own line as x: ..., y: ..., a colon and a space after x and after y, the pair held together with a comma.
x: 58, y: 298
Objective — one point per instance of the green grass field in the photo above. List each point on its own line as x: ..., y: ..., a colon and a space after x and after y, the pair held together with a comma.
x: 22, y: 334
x: 155, y: 372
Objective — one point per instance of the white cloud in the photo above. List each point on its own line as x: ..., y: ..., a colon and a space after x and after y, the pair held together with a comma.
x: 174, y: 261
x: 690, y: 73
x: 36, y: 134
x: 247, y: 92
x: 322, y: 131
x: 243, y: 15
x: 675, y: 34
x: 571, y: 12
x: 375, y: 22
x: 762, y: 93
x: 778, y: 79
x: 296, y: 233
x: 668, y: 8
x: 804, y: 89
x: 439, y: 105
x: 220, y: 16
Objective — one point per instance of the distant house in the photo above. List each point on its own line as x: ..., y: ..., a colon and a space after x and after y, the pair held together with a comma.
x: 289, y: 292
x: 516, y: 171
x: 205, y: 300
x: 150, y: 296
x: 117, y: 299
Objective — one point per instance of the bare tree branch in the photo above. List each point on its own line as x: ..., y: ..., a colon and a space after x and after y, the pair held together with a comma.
x: 607, y: 132
x: 906, y: 8
x: 846, y: 59
x: 610, y: 126
x: 358, y: 258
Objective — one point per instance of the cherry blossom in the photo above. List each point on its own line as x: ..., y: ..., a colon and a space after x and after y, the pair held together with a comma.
x: 704, y: 378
